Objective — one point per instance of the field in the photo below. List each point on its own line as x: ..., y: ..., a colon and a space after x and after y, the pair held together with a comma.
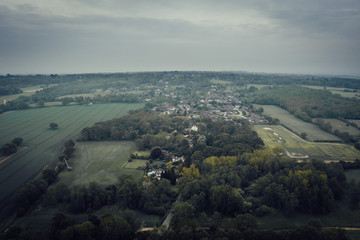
x: 335, y: 90
x: 102, y: 162
x: 340, y: 125
x: 297, y: 148
x: 26, y: 92
x: 43, y: 144
x: 314, y: 133
x: 357, y: 122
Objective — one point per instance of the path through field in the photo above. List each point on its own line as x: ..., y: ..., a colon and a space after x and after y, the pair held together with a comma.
x: 43, y: 144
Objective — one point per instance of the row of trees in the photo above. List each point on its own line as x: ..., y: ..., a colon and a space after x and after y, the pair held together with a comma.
x: 31, y: 192
x: 11, y: 148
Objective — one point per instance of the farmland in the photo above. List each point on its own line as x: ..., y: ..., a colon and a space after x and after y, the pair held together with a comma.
x: 314, y: 133
x: 297, y: 148
x: 43, y: 145
x: 340, y: 126
x: 102, y: 162
x: 340, y: 91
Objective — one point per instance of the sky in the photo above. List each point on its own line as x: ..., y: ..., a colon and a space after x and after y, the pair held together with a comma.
x: 88, y: 36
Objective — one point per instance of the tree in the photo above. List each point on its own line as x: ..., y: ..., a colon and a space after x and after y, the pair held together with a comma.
x: 303, y: 135
x: 8, y: 149
x: 69, y: 143
x: 156, y: 152
x: 17, y: 141
x: 53, y: 125
x: 49, y: 175
x: 190, y: 173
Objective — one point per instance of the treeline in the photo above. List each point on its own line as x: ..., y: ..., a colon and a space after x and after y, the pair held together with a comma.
x: 6, y: 90
x: 345, y: 136
x: 308, y: 103
x: 33, y: 190
x: 125, y: 226
x: 11, y: 148
x: 17, y: 104
x: 128, y: 193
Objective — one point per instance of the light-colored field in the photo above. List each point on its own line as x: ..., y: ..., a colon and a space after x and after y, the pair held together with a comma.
x: 26, y: 92
x: 218, y: 81
x: 335, y: 90
x: 102, y: 162
x: 43, y: 144
x: 357, y: 122
x: 314, y: 133
x: 297, y: 148
x: 340, y: 125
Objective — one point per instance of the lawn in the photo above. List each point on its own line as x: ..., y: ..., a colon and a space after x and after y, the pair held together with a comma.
x: 101, y: 161
x: 43, y: 144
x: 298, y: 126
x: 297, y: 148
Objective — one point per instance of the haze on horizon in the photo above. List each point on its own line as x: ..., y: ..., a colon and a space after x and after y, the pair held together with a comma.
x: 86, y: 36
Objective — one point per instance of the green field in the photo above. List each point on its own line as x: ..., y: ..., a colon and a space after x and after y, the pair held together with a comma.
x: 297, y: 148
x: 314, y: 133
x: 335, y: 90
x: 102, y: 161
x: 43, y: 144
x: 135, y: 163
x: 340, y: 126
x: 357, y: 122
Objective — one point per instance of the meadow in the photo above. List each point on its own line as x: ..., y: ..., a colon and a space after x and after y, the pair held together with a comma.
x: 335, y: 90
x: 43, y: 145
x: 340, y: 126
x: 102, y: 162
x: 297, y: 148
x: 298, y: 126
x: 357, y: 122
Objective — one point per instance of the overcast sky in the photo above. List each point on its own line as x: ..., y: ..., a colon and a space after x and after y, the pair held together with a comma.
x: 81, y: 36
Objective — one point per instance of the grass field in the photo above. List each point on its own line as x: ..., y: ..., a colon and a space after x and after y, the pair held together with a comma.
x: 335, y: 90
x: 26, y: 92
x: 357, y: 122
x: 314, y: 133
x: 43, y: 144
x: 297, y: 148
x: 135, y: 163
x: 102, y: 162
x: 340, y: 125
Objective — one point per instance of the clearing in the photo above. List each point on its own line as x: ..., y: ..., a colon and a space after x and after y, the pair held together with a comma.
x: 101, y: 161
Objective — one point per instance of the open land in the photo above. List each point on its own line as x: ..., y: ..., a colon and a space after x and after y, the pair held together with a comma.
x: 297, y: 148
x: 101, y: 161
x: 26, y: 93
x: 340, y: 126
x: 357, y: 122
x: 43, y: 144
x: 314, y: 133
x: 340, y: 91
